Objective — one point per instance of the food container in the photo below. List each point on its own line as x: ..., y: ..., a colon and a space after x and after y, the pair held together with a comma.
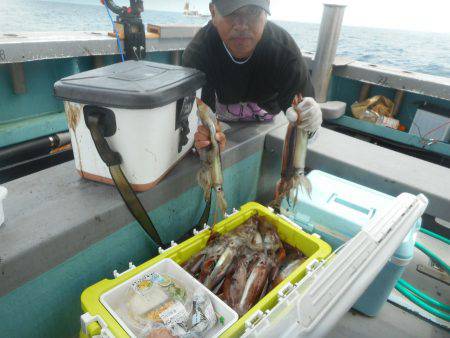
x: 98, y: 319
x: 146, y: 115
x: 113, y: 300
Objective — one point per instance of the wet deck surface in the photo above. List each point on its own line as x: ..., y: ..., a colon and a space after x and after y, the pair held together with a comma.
x: 392, y: 322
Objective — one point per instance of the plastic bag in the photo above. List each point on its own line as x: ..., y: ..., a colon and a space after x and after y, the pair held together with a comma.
x: 157, y: 301
x: 203, y: 315
x: 379, y: 104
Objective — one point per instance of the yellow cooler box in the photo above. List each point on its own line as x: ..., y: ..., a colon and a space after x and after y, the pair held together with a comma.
x: 98, y: 301
x: 311, y: 297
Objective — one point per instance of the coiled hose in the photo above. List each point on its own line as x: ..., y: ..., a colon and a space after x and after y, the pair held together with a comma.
x: 420, y: 298
x: 435, y: 235
x: 433, y: 256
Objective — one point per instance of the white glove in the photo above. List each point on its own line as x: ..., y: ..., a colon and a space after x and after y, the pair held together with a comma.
x: 310, y: 115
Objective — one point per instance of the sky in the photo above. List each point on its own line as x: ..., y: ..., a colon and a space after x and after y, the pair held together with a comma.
x: 420, y: 15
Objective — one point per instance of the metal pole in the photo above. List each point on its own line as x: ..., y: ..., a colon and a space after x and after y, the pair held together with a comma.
x: 398, y: 99
x: 330, y: 29
x: 364, y: 92
x: 18, y: 78
x: 98, y: 61
x: 176, y: 57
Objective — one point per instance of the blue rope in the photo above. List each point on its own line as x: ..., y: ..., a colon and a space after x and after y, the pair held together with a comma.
x: 115, y: 31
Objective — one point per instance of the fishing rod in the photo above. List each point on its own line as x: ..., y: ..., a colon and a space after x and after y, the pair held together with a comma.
x: 130, y: 26
x: 134, y: 10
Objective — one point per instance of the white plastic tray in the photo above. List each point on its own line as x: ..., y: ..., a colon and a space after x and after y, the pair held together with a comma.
x: 113, y: 299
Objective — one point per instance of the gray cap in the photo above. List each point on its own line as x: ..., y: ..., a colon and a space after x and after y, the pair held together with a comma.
x: 226, y: 7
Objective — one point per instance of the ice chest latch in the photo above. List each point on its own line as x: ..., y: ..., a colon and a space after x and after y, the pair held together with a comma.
x: 87, y: 319
x: 184, y: 108
x: 131, y: 266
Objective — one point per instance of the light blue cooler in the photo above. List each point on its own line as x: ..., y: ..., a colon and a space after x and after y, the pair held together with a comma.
x: 337, y: 211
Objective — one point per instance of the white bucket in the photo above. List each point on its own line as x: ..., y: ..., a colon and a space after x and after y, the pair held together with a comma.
x: 3, y: 193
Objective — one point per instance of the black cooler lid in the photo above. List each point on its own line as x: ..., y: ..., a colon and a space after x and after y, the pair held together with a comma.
x: 130, y: 84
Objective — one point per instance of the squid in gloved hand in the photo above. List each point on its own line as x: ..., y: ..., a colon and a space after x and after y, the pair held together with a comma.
x: 305, y: 118
x: 308, y: 114
x: 210, y: 175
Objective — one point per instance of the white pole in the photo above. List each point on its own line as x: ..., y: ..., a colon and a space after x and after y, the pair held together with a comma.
x: 330, y: 29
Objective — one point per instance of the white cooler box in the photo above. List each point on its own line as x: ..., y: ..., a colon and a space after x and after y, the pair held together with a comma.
x: 311, y: 307
x: 147, y: 112
x: 338, y: 210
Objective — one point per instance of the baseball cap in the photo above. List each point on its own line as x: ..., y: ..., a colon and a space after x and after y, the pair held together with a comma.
x: 226, y: 7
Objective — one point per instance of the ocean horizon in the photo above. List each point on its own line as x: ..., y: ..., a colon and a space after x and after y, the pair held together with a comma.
x: 423, y: 52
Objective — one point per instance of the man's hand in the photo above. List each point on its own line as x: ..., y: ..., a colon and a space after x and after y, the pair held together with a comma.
x: 310, y: 114
x: 202, y: 138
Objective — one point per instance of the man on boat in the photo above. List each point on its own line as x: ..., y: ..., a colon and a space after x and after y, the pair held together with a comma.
x: 253, y: 67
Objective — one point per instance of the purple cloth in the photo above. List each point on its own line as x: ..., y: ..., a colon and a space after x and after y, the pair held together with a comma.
x: 246, y: 111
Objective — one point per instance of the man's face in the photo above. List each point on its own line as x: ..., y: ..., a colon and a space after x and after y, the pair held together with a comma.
x: 241, y: 30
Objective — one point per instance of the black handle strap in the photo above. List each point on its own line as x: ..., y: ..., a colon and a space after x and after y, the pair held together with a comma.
x: 205, y: 215
x: 101, y: 123
x: 113, y: 160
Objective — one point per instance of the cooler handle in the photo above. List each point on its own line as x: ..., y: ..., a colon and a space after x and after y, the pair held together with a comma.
x: 98, y: 121
x: 183, y: 110
x: 343, y: 202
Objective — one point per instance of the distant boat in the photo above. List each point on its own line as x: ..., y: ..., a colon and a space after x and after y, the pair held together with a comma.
x: 192, y: 12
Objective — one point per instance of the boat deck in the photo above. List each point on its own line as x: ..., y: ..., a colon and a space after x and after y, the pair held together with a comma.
x: 392, y: 322
x: 403, y: 320
x: 57, y: 223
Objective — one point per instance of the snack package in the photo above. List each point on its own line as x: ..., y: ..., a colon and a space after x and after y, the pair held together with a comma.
x: 203, y: 316
x: 157, y: 301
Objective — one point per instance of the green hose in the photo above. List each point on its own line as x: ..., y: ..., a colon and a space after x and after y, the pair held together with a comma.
x: 416, y: 300
x: 418, y: 297
x: 424, y: 296
x: 433, y: 256
x: 432, y: 234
